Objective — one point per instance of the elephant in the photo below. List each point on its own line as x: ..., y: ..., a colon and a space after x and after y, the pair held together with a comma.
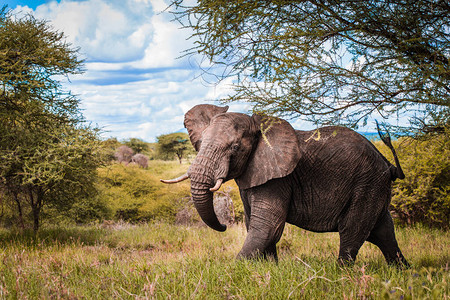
x: 331, y: 179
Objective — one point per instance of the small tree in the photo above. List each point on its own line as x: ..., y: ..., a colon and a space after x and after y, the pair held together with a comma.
x: 175, y: 144
x: 110, y: 145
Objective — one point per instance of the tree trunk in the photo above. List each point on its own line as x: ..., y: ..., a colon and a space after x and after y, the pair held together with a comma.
x: 35, y: 220
x: 19, y: 210
x: 36, y: 205
x: 180, y: 156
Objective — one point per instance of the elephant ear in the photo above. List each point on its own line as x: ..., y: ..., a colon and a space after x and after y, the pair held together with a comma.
x: 198, y: 118
x: 276, y: 154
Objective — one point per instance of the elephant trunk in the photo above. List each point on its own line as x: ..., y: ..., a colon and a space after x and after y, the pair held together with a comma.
x: 202, y: 184
x: 203, y: 201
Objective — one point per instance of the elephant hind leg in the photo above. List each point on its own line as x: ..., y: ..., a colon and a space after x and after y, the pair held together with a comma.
x: 353, y: 232
x: 369, y: 199
x: 352, y: 235
x: 383, y: 236
x: 348, y: 249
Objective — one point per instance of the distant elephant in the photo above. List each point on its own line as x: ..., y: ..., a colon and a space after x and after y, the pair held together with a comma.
x: 329, y: 179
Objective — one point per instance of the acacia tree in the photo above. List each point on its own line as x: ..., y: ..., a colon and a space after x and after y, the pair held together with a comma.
x: 330, y: 61
x: 175, y: 144
x: 47, y: 153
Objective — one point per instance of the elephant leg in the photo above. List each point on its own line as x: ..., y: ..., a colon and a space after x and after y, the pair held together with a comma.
x: 271, y: 252
x: 348, y: 249
x: 368, y: 203
x: 352, y: 236
x: 383, y: 236
x: 355, y: 228
x: 269, y: 206
x: 247, y: 210
x: 261, y: 242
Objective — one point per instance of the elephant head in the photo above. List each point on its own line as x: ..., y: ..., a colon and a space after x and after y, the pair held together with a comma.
x: 250, y: 149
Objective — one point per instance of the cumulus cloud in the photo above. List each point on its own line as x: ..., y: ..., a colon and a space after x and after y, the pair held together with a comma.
x: 134, y: 85
x: 145, y: 108
x: 112, y: 30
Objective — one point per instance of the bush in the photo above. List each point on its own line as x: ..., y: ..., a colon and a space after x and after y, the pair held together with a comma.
x: 134, y: 194
x: 424, y: 195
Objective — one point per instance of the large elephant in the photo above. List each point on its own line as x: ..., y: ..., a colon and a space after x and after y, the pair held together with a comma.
x: 329, y: 179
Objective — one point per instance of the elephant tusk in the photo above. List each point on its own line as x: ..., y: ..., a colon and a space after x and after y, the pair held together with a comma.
x: 217, y: 186
x: 179, y: 179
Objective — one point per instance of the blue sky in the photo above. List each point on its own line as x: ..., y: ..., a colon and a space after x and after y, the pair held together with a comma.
x: 134, y: 84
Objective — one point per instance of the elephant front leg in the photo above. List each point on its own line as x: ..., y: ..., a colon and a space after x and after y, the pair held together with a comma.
x: 265, y: 224
x: 261, y: 244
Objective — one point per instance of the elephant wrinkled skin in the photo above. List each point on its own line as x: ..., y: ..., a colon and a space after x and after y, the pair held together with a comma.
x: 329, y: 179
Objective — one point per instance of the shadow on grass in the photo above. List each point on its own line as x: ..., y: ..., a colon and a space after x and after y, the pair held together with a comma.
x: 441, y: 261
x: 54, y: 236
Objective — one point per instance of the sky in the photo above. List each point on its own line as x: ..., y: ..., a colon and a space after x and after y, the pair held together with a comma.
x: 135, y: 84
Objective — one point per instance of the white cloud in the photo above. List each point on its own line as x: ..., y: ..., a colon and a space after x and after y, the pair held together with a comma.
x: 105, y: 30
x: 143, y: 109
x: 163, y: 50
x: 134, y: 85
x: 158, y: 5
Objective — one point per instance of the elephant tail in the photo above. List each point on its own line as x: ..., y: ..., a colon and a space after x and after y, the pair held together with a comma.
x: 396, y: 171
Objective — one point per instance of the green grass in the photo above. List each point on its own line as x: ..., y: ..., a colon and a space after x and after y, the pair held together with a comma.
x: 161, y: 261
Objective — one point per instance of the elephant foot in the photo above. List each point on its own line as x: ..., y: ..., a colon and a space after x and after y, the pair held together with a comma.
x: 399, y: 262
x: 269, y: 254
x: 345, y: 262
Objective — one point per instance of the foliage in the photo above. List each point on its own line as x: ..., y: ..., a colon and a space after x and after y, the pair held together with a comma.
x: 175, y: 144
x: 424, y: 195
x: 32, y: 56
x: 134, y: 194
x: 329, y: 61
x: 137, y: 145
x: 44, y: 169
x: 160, y: 261
x: 45, y: 149
x: 85, y: 210
x: 110, y: 146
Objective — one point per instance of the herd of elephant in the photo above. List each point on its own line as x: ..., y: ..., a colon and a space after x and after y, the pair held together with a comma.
x: 330, y: 179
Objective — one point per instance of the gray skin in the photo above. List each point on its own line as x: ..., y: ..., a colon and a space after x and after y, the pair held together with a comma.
x: 326, y: 180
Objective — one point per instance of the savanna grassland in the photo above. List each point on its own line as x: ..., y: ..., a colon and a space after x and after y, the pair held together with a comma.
x: 165, y: 261
x: 148, y: 256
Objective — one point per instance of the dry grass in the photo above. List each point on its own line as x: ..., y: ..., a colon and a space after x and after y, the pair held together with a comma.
x: 165, y: 261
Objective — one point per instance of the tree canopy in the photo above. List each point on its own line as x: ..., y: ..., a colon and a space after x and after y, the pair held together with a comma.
x: 45, y: 148
x: 175, y: 144
x: 329, y: 61
x: 137, y: 145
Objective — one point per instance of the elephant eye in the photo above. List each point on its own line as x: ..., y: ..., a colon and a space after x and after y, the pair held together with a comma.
x: 235, y: 147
